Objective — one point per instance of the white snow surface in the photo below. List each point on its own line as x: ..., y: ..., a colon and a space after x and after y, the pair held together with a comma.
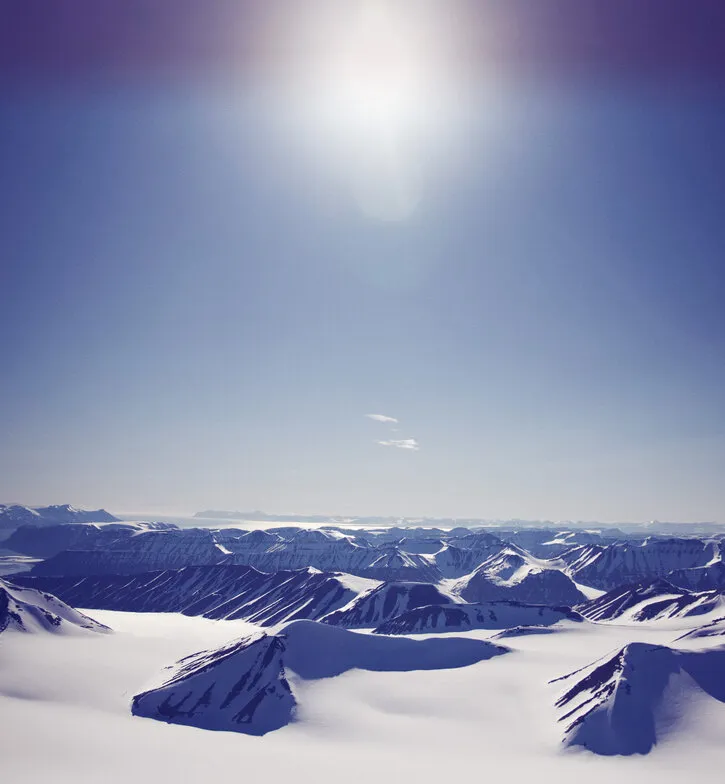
x: 65, y: 713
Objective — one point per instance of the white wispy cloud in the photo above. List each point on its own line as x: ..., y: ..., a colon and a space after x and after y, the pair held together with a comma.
x: 382, y: 418
x: 402, y: 443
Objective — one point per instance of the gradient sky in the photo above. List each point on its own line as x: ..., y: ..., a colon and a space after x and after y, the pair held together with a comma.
x: 194, y: 316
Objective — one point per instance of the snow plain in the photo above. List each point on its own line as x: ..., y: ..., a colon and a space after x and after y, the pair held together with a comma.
x: 65, y: 714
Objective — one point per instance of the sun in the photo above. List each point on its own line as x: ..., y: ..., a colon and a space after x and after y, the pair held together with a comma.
x: 371, y: 80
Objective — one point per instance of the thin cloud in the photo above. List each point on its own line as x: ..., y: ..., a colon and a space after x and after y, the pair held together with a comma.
x: 402, y: 443
x: 382, y: 418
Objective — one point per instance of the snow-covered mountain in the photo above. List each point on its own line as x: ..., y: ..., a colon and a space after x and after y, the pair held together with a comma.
x: 482, y: 566
x: 514, y: 575
x: 217, y: 591
x: 551, y: 542
x: 622, y: 563
x: 28, y: 610
x: 650, y: 600
x: 427, y: 545
x: 386, y: 601
x: 462, y: 555
x: 621, y: 704
x: 50, y: 540
x: 331, y: 550
x: 700, y: 578
x: 246, y: 686
x: 391, y: 563
x: 15, y: 515
x: 461, y: 617
x: 325, y: 550
x: 241, y: 687
x: 141, y: 551
x: 131, y: 548
x: 253, y: 542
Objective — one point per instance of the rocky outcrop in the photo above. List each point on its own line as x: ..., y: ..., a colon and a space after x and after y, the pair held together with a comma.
x: 246, y: 686
x: 616, y: 705
x: 29, y: 610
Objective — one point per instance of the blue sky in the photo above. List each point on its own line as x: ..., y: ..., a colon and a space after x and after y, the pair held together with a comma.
x: 194, y: 316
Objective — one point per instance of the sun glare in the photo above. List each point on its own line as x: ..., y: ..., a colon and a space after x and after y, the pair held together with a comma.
x: 372, y: 80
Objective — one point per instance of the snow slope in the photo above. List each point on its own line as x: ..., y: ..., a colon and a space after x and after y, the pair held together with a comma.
x: 64, y: 709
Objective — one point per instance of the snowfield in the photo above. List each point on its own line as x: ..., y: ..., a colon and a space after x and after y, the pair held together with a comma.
x: 65, y: 712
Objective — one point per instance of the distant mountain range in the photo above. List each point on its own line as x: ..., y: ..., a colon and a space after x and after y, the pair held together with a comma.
x: 488, y: 568
x: 477, y: 567
x: 15, y: 515
x: 221, y: 592
x: 611, y: 529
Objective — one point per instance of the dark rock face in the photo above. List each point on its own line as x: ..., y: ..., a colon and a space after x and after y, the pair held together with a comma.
x: 230, y: 592
x: 244, y: 687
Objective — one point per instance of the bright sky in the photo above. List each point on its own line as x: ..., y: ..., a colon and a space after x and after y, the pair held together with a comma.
x: 511, y: 257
